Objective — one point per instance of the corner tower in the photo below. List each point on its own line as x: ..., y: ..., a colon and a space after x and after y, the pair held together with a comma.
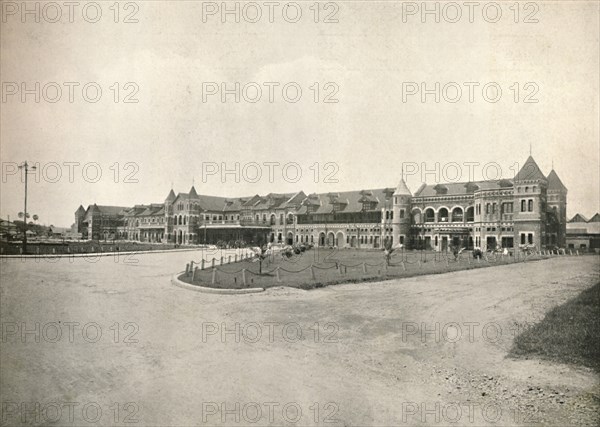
x: 402, y: 199
x: 557, y: 208
x: 530, y: 204
x: 169, y: 216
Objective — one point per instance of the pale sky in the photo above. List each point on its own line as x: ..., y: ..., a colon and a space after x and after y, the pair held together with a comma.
x: 367, y: 135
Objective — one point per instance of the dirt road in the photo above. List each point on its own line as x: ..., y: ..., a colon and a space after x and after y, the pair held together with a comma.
x: 428, y: 350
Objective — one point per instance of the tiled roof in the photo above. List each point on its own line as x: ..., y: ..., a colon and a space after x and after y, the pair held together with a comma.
x: 350, y: 201
x: 110, y: 210
x: 461, y: 188
x: 554, y: 182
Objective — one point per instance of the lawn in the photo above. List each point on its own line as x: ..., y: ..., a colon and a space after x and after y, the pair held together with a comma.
x: 322, y: 267
x: 569, y: 333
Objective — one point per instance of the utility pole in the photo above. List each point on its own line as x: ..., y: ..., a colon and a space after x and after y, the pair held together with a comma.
x: 26, y: 168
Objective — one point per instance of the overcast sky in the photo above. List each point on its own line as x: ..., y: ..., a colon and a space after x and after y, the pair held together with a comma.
x: 369, y: 57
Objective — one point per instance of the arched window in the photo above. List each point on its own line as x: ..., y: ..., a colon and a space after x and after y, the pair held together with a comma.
x: 457, y: 214
x: 429, y: 215
x: 530, y: 205
x: 470, y: 214
x: 523, y: 206
x: 387, y: 214
x: 443, y: 215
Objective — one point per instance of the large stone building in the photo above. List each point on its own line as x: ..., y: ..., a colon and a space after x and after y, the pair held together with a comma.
x: 527, y: 210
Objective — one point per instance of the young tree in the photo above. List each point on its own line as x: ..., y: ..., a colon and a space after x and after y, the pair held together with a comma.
x: 387, y: 252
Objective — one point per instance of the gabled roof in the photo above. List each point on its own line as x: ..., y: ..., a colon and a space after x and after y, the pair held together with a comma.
x: 530, y: 171
x: 595, y: 218
x: 554, y: 182
x: 80, y: 209
x: 578, y: 218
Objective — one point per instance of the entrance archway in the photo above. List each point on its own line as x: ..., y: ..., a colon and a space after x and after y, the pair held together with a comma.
x: 321, y: 239
x: 290, y: 238
x: 330, y: 239
x: 339, y: 240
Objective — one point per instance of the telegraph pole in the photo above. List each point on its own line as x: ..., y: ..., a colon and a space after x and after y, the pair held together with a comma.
x: 26, y: 168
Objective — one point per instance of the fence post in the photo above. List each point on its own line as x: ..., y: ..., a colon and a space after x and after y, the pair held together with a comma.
x: 570, y: 252
x: 191, y: 266
x: 577, y: 252
x: 202, y: 264
x: 341, y: 269
x: 403, y: 266
x: 420, y: 264
x: 312, y: 272
x: 214, y: 275
x: 221, y: 259
x: 213, y: 262
x: 194, y: 274
x: 278, y: 276
x: 229, y: 260
x: 244, y: 276
x: 187, y: 268
x: 235, y: 258
x: 364, y: 266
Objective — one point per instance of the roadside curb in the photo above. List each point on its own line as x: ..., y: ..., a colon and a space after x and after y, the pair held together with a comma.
x: 175, y: 281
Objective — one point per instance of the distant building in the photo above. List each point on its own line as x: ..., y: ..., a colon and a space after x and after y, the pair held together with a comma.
x: 8, y: 229
x: 529, y: 210
x: 99, y: 222
x: 583, y: 233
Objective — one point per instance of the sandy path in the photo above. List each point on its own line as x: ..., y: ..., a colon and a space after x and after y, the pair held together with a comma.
x: 369, y: 364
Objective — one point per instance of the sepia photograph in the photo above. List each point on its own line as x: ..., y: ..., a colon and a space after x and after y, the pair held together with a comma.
x: 299, y: 213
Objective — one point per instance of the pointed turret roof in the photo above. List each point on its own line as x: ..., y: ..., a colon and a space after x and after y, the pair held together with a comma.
x: 554, y: 182
x: 171, y: 196
x: 80, y: 209
x: 530, y: 171
x: 402, y: 189
x: 193, y: 192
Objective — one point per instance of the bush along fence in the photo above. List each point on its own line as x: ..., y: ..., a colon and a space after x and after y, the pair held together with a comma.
x: 213, y: 273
